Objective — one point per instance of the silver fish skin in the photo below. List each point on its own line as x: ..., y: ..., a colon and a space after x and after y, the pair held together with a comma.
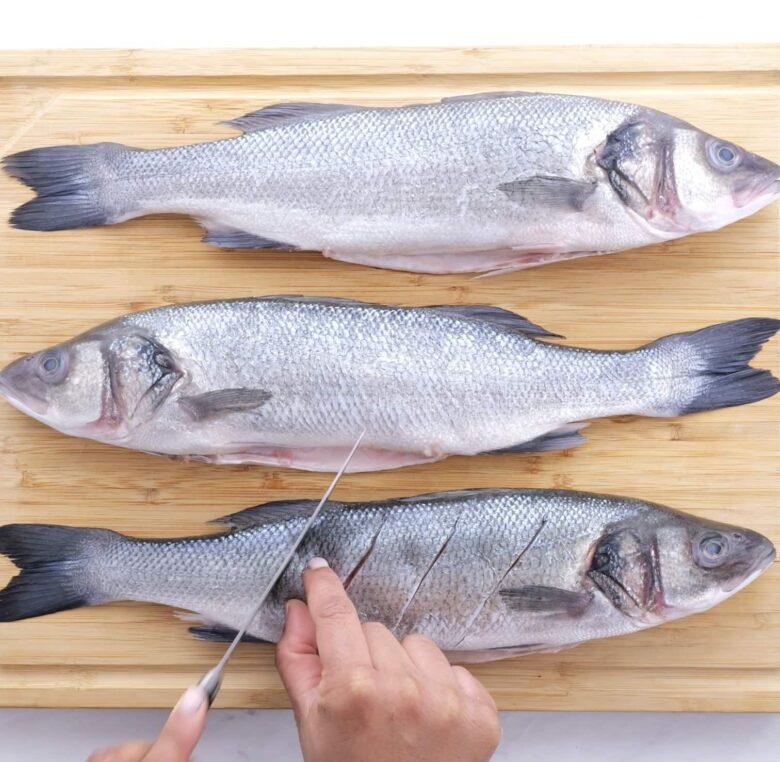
x: 484, y: 573
x: 490, y: 182
x: 291, y: 381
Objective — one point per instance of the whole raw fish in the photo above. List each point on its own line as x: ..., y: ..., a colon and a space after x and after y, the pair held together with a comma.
x: 292, y: 381
x: 484, y: 573
x: 488, y: 182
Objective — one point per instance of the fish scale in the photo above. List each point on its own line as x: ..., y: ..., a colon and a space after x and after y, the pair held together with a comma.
x: 291, y: 381
x: 484, y: 573
x: 486, y: 183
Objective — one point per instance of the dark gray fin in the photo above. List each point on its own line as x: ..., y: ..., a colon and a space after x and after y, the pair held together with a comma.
x: 65, y: 179
x: 488, y: 96
x: 221, y: 401
x: 237, y: 239
x: 563, y: 438
x: 723, y: 352
x: 549, y: 192
x: 53, y: 560
x: 547, y: 600
x: 496, y: 316
x: 286, y: 113
x: 218, y: 634
x: 268, y: 513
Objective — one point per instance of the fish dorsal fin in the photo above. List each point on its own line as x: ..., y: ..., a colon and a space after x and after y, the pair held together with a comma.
x: 286, y: 113
x: 269, y: 513
x: 454, y: 494
x: 485, y: 313
x: 496, y: 316
x: 488, y: 96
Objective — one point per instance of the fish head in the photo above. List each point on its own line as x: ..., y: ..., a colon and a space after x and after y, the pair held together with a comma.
x: 678, y: 180
x: 676, y: 565
x: 101, y: 384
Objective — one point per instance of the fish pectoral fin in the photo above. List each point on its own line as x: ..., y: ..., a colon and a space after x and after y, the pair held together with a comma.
x: 216, y: 633
x: 547, y: 600
x: 238, y: 239
x: 549, y: 191
x: 562, y: 438
x: 496, y: 316
x: 286, y: 113
x: 222, y: 401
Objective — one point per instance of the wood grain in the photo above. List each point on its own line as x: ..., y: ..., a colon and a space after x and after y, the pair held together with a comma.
x: 723, y: 465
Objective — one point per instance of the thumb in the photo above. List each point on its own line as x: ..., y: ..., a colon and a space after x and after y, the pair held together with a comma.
x: 182, y: 731
x: 296, y: 655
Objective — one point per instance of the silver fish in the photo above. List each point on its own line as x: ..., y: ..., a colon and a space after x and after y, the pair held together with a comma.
x: 484, y: 573
x: 292, y: 381
x: 490, y: 182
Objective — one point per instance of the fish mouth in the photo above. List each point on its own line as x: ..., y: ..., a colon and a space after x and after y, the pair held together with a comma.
x: 757, y: 193
x: 758, y: 567
x: 25, y: 401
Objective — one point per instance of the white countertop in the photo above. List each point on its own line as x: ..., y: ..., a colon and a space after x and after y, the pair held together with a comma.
x: 31, y: 735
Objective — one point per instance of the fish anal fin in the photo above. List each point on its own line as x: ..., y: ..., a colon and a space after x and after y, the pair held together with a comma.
x: 549, y: 191
x: 286, y: 113
x: 547, y: 600
x: 562, y: 438
x: 212, y: 404
x: 216, y: 633
x: 237, y: 239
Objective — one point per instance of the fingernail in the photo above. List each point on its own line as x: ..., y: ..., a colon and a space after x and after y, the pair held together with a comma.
x: 192, y: 700
x: 317, y: 563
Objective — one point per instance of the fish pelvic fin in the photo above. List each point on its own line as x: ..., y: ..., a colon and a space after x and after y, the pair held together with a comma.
x: 70, y: 184
x: 54, y: 563
x: 710, y: 367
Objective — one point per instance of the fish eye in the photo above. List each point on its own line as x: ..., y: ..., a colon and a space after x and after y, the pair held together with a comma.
x: 723, y: 156
x: 711, y: 550
x: 52, y: 366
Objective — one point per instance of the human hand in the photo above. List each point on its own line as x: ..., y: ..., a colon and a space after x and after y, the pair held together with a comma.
x: 177, y: 739
x: 358, y: 694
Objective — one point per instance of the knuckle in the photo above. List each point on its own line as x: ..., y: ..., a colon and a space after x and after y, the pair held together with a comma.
x: 445, y: 708
x: 488, y: 726
x: 334, y: 608
x: 416, y: 640
x: 406, y: 693
x: 354, y: 694
x: 374, y: 628
x: 283, y: 658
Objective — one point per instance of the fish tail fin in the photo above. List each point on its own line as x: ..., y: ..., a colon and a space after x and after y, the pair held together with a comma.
x: 55, y: 569
x: 74, y: 184
x: 715, y: 367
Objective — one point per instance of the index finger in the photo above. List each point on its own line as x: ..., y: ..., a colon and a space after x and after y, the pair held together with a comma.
x: 340, y: 639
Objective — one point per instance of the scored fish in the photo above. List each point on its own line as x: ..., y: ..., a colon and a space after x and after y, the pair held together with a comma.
x: 489, y: 182
x: 484, y: 573
x: 292, y: 381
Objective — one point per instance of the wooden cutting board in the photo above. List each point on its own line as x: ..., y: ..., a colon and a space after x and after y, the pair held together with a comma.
x: 723, y: 465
